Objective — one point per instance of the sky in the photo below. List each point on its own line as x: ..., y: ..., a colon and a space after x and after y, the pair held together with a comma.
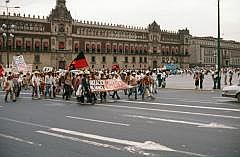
x: 199, y: 16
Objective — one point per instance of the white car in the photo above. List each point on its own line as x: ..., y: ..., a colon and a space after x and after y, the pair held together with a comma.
x: 232, y: 91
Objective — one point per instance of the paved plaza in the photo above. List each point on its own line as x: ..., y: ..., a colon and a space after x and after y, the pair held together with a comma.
x: 177, y: 123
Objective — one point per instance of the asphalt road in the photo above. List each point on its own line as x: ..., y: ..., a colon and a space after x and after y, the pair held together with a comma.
x: 177, y: 123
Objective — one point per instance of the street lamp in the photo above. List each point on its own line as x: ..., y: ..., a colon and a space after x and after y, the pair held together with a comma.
x: 7, y: 30
x: 218, y: 50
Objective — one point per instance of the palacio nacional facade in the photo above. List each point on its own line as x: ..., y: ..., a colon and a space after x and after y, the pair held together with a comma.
x: 56, y: 40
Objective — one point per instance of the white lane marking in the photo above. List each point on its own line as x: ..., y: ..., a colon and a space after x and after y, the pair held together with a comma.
x: 25, y: 123
x: 147, y: 145
x: 114, y: 140
x: 178, y: 105
x: 98, y: 121
x: 19, y: 139
x: 210, y: 125
x: 98, y: 144
x: 78, y: 140
x: 170, y: 111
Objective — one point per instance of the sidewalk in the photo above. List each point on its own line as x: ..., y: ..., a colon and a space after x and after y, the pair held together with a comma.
x: 186, y: 82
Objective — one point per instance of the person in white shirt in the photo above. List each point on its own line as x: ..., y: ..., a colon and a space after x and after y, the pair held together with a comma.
x: 49, y: 85
x: 36, y: 86
x: 133, y: 84
x: 155, y: 81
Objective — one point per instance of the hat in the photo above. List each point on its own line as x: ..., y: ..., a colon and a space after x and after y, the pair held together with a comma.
x: 81, y: 72
x: 87, y: 72
x: 133, y: 73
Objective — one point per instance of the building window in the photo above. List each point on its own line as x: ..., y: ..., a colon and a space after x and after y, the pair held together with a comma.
x: 141, y: 50
x: 126, y: 59
x: 98, y: 48
x: 87, y: 48
x: 145, y: 59
x: 134, y: 60
x: 132, y: 49
x: 104, y: 59
x: 136, y: 50
x: 145, y: 50
x: 120, y: 49
x: 93, y: 48
x: 45, y: 46
x: 93, y: 59
x: 140, y: 60
x: 18, y: 45
x: 114, y: 59
x: 114, y: 48
x: 108, y: 48
x: 28, y: 45
x: 126, y: 49
x: 61, y: 45
x: 37, y: 46
x: 76, y: 47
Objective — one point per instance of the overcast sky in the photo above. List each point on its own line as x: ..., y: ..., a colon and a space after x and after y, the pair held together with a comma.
x: 199, y: 16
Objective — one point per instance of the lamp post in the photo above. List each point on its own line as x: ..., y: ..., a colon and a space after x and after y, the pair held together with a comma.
x: 218, y: 50
x: 7, y: 30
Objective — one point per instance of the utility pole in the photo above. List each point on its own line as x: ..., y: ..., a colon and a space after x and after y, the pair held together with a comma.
x: 218, y: 50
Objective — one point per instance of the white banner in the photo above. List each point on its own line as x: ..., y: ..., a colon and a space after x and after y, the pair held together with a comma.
x: 20, y: 63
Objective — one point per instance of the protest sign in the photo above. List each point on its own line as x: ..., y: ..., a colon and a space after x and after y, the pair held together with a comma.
x: 107, y: 85
x: 19, y: 63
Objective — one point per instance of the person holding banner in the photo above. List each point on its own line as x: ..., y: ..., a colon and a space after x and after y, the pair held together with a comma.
x: 115, y: 77
x: 103, y: 94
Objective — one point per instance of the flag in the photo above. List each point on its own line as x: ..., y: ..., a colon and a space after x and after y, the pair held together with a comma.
x: 79, y: 62
x: 1, y: 71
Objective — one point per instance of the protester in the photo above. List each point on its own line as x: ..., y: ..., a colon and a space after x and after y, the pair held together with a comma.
x: 146, y: 81
x: 36, y: 85
x: 201, y: 78
x: 115, y: 92
x: 8, y: 87
x: 230, y: 77
x: 133, y: 84
x: 196, y: 78
x: 67, y: 86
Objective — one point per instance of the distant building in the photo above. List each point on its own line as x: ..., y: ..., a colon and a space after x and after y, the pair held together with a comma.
x: 204, y: 52
x: 56, y: 40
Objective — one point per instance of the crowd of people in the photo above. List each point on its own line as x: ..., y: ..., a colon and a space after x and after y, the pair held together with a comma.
x: 143, y: 83
x: 226, y: 74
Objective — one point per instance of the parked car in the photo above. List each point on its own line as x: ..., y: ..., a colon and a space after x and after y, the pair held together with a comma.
x: 232, y: 91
